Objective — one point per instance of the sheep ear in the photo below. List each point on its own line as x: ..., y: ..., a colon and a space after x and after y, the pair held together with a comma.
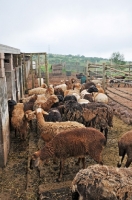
x: 45, y: 113
x: 26, y: 115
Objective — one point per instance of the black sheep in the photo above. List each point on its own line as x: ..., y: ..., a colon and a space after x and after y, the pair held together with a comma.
x: 70, y: 97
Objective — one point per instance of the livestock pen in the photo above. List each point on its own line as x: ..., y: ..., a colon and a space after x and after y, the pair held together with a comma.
x: 18, y: 182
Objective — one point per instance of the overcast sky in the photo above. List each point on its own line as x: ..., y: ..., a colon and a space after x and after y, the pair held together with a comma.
x: 93, y: 28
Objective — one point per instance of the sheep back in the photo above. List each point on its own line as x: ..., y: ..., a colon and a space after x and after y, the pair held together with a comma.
x: 75, y: 143
x: 102, y: 182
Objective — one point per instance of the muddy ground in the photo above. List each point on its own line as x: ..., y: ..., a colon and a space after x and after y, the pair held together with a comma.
x: 18, y: 182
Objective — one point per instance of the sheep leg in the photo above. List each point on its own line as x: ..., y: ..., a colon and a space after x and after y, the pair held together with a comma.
x: 78, y: 162
x: 106, y: 132
x: 129, y: 160
x: 83, y: 162
x: 121, y: 159
x: 61, y: 170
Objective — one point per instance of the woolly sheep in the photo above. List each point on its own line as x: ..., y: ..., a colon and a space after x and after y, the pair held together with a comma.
x: 89, y: 97
x: 47, y: 91
x: 102, y: 182
x: 74, y: 91
x: 125, y: 148
x: 53, y: 115
x: 86, y: 85
x: 98, y: 115
x: 49, y: 129
x: 74, y: 143
x: 62, y: 86
x: 20, y: 119
x: 97, y: 96
x: 70, y: 97
x: 83, y: 101
x: 58, y: 91
x: 100, y: 97
x: 89, y: 91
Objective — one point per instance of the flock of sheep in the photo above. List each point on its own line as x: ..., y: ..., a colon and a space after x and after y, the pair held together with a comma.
x: 73, y: 120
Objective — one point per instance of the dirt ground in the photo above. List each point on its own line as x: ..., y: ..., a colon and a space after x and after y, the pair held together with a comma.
x: 18, y: 182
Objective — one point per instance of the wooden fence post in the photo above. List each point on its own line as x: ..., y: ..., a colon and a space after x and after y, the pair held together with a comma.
x: 88, y: 72
x: 47, y: 71
x: 104, y: 77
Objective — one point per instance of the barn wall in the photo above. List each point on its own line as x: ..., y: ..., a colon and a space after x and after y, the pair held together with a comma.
x: 4, y: 123
x: 10, y: 76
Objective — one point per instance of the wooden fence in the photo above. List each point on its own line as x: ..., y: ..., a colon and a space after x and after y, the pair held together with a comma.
x: 105, y: 72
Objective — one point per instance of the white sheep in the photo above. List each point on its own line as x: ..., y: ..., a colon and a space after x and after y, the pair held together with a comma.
x: 102, y: 182
x: 82, y: 101
x: 63, y: 86
x: 100, y: 97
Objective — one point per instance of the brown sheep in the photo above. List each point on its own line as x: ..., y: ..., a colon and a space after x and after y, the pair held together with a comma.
x: 125, y: 147
x: 74, y: 143
x: 48, y: 130
x: 47, y: 104
x: 20, y: 119
x: 100, y: 89
x: 58, y: 91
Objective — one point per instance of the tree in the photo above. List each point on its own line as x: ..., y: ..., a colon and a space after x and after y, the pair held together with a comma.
x: 117, y: 58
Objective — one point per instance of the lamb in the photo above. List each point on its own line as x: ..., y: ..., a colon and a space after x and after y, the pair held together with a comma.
x: 49, y: 129
x: 102, y: 182
x: 125, y: 147
x: 73, y: 143
x: 98, y: 115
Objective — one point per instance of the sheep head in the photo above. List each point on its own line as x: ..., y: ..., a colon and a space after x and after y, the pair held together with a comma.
x: 40, y: 110
x: 92, y: 88
x: 53, y: 99
x: 29, y: 115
